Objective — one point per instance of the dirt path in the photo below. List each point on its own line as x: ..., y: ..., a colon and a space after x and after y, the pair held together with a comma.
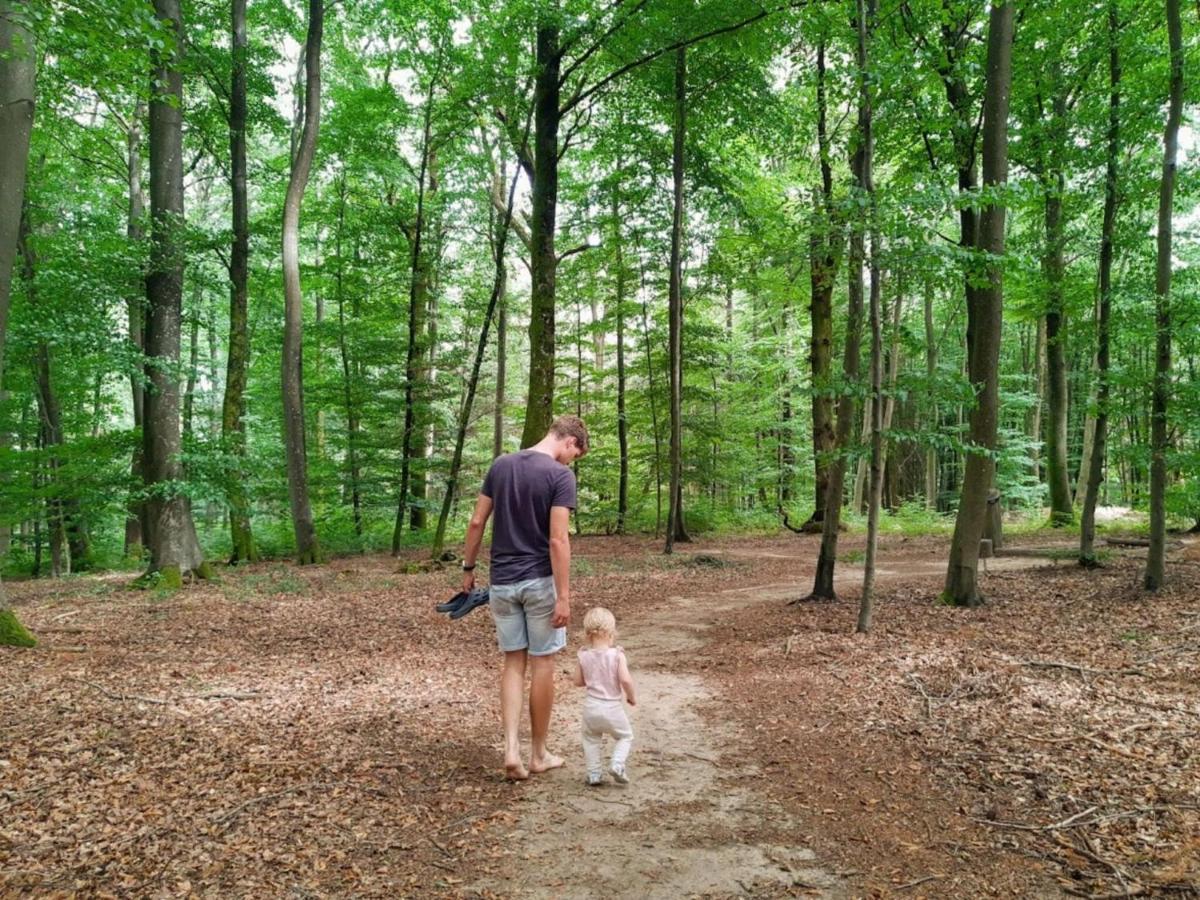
x: 685, y: 825
x: 691, y: 821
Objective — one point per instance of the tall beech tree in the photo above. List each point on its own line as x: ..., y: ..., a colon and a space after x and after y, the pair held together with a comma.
x: 676, y: 530
x: 233, y: 407
x: 174, y: 548
x: 307, y: 548
x: 18, y: 67
x: 984, y: 318
x: 1097, y: 461
x: 1160, y: 394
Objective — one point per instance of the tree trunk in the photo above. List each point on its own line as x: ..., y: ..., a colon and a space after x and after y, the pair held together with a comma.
x: 847, y: 410
x: 233, y: 407
x: 1053, y: 266
x: 189, y: 391
x: 823, y: 262
x: 676, y: 531
x: 135, y: 512
x: 464, y: 417
x: 18, y: 66
x: 984, y: 320
x: 352, y: 413
x: 1156, y: 555
x: 931, y: 360
x: 174, y: 549
x: 653, y: 403
x: 307, y: 548
x: 1087, y: 525
x: 416, y: 368
x: 539, y: 407
x: 865, y: 20
x: 622, y: 422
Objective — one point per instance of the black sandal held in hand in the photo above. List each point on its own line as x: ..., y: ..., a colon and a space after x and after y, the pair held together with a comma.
x: 462, y: 603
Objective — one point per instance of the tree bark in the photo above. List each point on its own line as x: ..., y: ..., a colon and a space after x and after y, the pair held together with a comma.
x: 352, y: 413
x: 307, y: 548
x: 539, y: 406
x: 233, y: 407
x: 135, y: 512
x: 823, y: 264
x: 1087, y: 525
x: 18, y: 66
x: 676, y: 531
x: 1057, y: 476
x: 622, y: 422
x: 174, y: 549
x: 931, y: 361
x: 865, y: 21
x: 984, y: 319
x: 416, y: 368
x: 1156, y: 556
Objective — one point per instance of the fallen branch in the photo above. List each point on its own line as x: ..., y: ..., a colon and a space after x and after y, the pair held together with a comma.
x: 115, y: 696
x: 1082, y: 670
x: 919, y: 881
x: 225, y: 818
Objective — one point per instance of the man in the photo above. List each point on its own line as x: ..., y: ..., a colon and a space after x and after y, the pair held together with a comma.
x: 532, y: 494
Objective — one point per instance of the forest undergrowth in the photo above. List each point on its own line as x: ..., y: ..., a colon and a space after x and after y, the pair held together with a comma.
x: 323, y: 732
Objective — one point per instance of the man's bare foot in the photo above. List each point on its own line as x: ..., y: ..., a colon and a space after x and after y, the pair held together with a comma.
x: 545, y: 764
x: 515, y: 771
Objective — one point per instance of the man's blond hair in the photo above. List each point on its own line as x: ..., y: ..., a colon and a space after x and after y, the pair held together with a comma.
x: 571, y: 426
x: 599, y: 621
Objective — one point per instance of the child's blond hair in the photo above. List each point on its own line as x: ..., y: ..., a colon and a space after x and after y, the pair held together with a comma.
x: 599, y: 621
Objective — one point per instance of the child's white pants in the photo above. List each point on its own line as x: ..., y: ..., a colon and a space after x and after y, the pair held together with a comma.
x: 601, y: 717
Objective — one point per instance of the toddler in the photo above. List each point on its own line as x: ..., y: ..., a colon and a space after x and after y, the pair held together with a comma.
x: 602, y: 669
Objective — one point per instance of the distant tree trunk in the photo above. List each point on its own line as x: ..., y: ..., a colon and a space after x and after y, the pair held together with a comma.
x: 865, y: 22
x: 174, y: 549
x: 823, y: 263
x: 622, y: 422
x: 1087, y: 525
x: 847, y: 410
x: 189, y: 391
x: 501, y: 366
x: 675, y: 525
x: 1038, y: 369
x: 135, y: 512
x: 1156, y: 556
x: 18, y: 67
x: 539, y: 407
x: 416, y: 369
x: 1053, y: 266
x: 233, y: 407
x: 653, y: 406
x: 984, y: 319
x: 307, y: 548
x: 931, y: 361
x: 464, y: 417
x: 352, y: 413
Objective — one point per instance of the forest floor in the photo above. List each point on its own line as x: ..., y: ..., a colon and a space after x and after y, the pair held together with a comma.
x: 285, y: 732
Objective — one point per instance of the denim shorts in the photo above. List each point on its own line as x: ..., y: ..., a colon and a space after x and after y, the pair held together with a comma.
x: 523, y: 612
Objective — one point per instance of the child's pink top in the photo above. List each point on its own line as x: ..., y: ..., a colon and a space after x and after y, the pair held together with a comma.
x: 601, y: 672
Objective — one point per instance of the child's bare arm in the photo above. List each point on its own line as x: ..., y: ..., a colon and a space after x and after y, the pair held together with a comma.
x: 626, y: 680
x: 577, y: 675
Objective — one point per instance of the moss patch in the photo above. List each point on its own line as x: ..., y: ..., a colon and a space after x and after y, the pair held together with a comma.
x: 12, y: 632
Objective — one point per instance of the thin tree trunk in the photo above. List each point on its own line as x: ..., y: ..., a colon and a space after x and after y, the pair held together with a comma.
x: 931, y: 361
x: 1087, y: 525
x: 823, y: 263
x: 501, y: 331
x: 464, y: 417
x: 676, y: 531
x: 865, y: 19
x: 233, y: 407
x: 539, y: 407
x: 984, y: 320
x: 653, y: 402
x: 416, y: 369
x: 622, y: 422
x: 189, y: 391
x: 307, y: 548
x: 1057, y: 476
x: 1156, y: 555
x: 352, y: 415
x: 135, y: 512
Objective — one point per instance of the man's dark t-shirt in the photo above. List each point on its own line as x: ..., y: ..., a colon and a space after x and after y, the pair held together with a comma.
x: 523, y: 486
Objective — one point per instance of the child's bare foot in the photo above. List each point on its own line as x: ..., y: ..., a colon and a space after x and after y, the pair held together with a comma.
x: 545, y: 763
x: 515, y: 771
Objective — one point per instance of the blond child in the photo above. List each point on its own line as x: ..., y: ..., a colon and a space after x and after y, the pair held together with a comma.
x: 603, y: 670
